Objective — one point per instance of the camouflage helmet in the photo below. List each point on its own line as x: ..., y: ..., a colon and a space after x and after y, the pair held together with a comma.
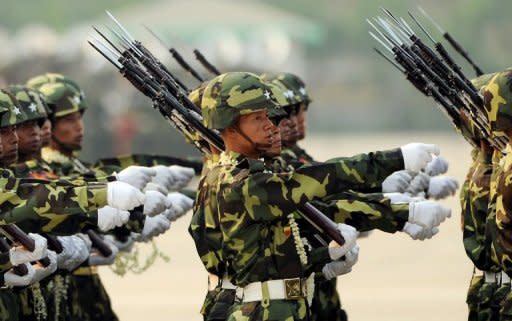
x: 31, y: 101
x: 277, y: 111
x: 231, y: 95
x: 13, y: 114
x: 480, y: 81
x: 295, y: 84
x: 292, y: 96
x: 498, y: 102
x: 196, y: 95
x: 62, y: 94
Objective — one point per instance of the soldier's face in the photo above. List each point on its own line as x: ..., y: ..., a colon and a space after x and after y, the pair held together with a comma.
x: 29, y: 141
x: 258, y: 127
x: 46, y: 133
x: 69, y: 130
x: 301, y: 121
x: 275, y: 149
x: 9, y: 145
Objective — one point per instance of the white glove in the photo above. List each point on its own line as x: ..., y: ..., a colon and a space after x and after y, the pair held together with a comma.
x: 398, y: 198
x: 428, y: 214
x: 396, y: 182
x: 151, y: 186
x: 340, y: 267
x: 178, y: 205
x: 442, y: 186
x: 123, y: 196
x: 417, y: 232
x: 110, y: 217
x: 155, y: 203
x: 350, y: 235
x: 125, y: 246
x: 419, y: 184
x: 182, y: 176
x: 75, y: 250
x: 154, y: 226
x: 417, y: 155
x: 11, y: 279
x: 97, y: 259
x: 437, y: 166
x: 20, y: 254
x: 164, y: 177
x: 136, y: 176
x: 44, y: 271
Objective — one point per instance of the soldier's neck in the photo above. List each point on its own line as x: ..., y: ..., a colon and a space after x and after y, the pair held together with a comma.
x: 22, y: 157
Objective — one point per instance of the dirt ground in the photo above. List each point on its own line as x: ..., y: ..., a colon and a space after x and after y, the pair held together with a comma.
x: 396, y: 278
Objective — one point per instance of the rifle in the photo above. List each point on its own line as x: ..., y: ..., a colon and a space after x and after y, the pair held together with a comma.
x: 438, y: 77
x: 453, y: 43
x: 149, y: 76
x: 17, y: 269
x: 17, y: 236
x: 206, y: 64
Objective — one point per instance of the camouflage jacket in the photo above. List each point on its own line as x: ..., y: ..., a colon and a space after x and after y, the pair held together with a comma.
x: 254, y: 204
x: 364, y: 211
x: 47, y: 203
x: 501, y: 195
x: 116, y: 163
x: 475, y: 208
x: 74, y: 167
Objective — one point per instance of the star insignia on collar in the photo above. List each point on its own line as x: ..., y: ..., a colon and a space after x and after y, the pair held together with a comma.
x: 267, y: 94
x: 17, y: 111
x: 32, y: 107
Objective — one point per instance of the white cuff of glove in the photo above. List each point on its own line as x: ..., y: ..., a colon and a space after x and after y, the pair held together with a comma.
x: 19, y: 254
x: 417, y: 155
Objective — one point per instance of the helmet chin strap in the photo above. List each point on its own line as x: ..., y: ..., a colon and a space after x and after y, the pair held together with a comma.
x: 66, y: 146
x: 260, y: 148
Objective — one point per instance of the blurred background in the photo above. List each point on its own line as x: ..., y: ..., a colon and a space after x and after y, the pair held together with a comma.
x: 360, y: 103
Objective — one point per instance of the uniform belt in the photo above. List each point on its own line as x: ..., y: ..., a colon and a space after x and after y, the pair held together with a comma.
x: 86, y: 270
x: 491, y: 277
x: 286, y: 289
x: 505, y: 279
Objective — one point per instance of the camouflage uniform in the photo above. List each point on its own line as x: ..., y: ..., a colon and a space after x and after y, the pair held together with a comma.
x: 88, y: 298
x: 255, y: 205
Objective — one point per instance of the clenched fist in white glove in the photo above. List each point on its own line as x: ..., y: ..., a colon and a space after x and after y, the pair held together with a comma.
x: 44, y: 271
x: 419, y: 184
x: 19, y: 254
x: 11, y: 279
x: 340, y: 267
x: 417, y: 155
x: 442, y: 186
x: 178, y: 205
x: 154, y: 226
x: 182, y: 176
x: 75, y: 250
x: 398, y: 198
x: 97, y: 259
x: 437, y: 166
x: 398, y: 182
x: 428, y: 214
x: 350, y: 234
x: 155, y: 203
x: 123, y: 196
x: 110, y: 217
x: 420, y: 233
x: 136, y: 176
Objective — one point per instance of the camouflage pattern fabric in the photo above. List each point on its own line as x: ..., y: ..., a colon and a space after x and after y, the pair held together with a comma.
x: 326, y: 301
x: 292, y: 82
x: 62, y: 98
x: 472, y: 298
x: 9, y: 310
x: 11, y: 110
x: 120, y: 162
x: 506, y: 308
x: 32, y: 103
x: 497, y: 102
x: 497, y: 300
x: 485, y: 307
x: 278, y: 310
x: 230, y: 95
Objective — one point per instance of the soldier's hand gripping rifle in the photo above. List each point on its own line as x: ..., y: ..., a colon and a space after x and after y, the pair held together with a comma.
x: 5, y: 247
x: 175, y: 109
x: 16, y: 235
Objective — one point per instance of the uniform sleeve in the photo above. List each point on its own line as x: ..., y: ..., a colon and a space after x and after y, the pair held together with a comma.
x: 365, y: 212
x: 118, y: 163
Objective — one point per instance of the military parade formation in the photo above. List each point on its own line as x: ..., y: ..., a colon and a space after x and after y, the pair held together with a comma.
x: 273, y: 226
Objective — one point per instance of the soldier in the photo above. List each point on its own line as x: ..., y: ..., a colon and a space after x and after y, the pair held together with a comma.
x: 234, y: 103
x: 497, y: 103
